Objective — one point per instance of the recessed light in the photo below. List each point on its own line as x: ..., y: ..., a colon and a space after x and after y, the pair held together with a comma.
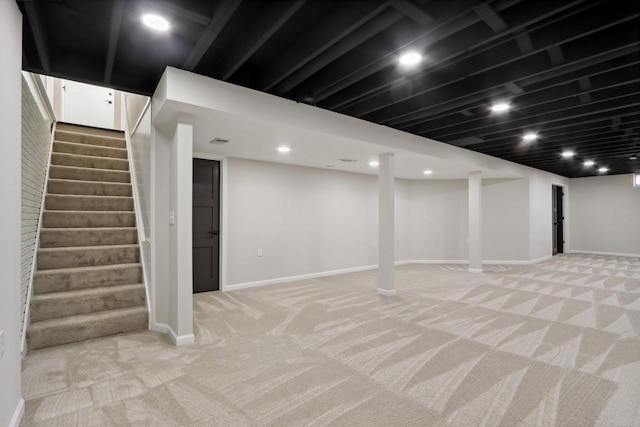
x: 374, y: 163
x: 155, y: 22
x: 410, y: 58
x: 568, y: 154
x: 589, y: 163
x: 530, y: 136
x: 603, y: 170
x: 427, y: 172
x: 284, y: 149
x: 500, y: 107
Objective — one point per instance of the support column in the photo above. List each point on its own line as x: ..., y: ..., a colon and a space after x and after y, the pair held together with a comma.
x: 386, y: 232
x: 475, y: 222
x: 180, y: 221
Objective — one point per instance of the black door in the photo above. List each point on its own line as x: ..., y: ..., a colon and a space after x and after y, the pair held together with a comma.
x: 206, y: 225
x: 558, y: 220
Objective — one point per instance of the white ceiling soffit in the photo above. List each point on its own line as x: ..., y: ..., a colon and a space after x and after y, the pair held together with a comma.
x: 257, y: 123
x: 255, y: 140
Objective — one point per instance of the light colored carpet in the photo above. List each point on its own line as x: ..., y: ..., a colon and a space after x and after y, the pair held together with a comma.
x: 557, y: 343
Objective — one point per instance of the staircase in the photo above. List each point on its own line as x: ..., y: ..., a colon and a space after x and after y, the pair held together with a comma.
x: 88, y: 281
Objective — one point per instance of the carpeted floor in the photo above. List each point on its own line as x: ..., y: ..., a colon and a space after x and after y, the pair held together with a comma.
x: 556, y: 343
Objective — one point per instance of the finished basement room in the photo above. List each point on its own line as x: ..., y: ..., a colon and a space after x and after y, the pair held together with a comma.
x: 315, y: 212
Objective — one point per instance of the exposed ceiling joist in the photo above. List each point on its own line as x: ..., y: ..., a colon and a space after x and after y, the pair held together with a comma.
x: 114, y: 34
x: 38, y: 35
x: 211, y: 32
x: 334, y: 27
x: 524, y: 42
x: 276, y: 15
x: 466, y: 20
x: 413, y: 12
x: 555, y: 53
x: 490, y: 17
x: 357, y: 37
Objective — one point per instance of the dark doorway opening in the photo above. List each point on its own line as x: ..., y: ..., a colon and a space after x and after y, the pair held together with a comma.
x: 558, y: 220
x: 206, y: 225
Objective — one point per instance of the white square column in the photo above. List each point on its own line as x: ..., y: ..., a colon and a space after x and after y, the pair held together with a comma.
x: 181, y: 303
x: 475, y: 222
x: 386, y: 231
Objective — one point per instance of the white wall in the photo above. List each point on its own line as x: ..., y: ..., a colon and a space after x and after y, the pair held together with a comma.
x: 439, y: 212
x: 36, y: 144
x: 605, y: 214
x: 10, y: 156
x: 505, y: 220
x: 305, y: 220
x: 439, y: 220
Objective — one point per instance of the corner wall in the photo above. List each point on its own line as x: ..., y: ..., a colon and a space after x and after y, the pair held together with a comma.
x: 605, y: 215
x: 11, y: 404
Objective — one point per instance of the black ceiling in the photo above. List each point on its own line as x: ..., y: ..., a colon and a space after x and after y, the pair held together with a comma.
x: 570, y: 69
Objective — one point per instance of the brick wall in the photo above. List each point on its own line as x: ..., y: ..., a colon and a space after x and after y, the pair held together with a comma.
x: 36, y: 142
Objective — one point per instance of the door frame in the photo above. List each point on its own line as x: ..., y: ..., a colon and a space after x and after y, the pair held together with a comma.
x: 222, y: 262
x: 565, y: 211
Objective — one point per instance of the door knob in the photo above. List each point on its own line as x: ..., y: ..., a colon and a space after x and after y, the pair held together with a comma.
x: 214, y: 233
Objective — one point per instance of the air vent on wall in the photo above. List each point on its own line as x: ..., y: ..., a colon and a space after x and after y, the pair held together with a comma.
x: 219, y: 141
x: 348, y: 160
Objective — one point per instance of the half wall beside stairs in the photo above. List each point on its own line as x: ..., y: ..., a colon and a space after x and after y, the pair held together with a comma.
x: 88, y: 281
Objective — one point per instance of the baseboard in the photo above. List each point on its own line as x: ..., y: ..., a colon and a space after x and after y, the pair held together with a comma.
x: 484, y: 262
x: 159, y: 327
x: 387, y: 292
x: 180, y: 340
x: 438, y: 261
x: 372, y: 267
x: 578, y: 251
x: 306, y: 276
x: 17, y: 414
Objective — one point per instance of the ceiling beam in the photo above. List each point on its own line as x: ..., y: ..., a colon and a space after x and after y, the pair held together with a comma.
x: 326, y: 32
x: 328, y: 85
x: 466, y: 20
x: 560, y: 137
x: 593, y: 109
x: 482, y: 99
x: 223, y: 14
x: 615, y: 123
x: 583, y: 146
x: 38, y: 35
x: 414, y: 13
x: 530, y: 71
x: 117, y: 12
x: 487, y: 67
x: 541, y: 101
x: 574, y: 124
x: 490, y: 17
x: 524, y: 42
x: 256, y: 34
x: 585, y: 87
x: 556, y: 55
x: 368, y: 30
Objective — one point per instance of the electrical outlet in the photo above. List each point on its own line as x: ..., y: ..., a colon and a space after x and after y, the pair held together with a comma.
x: 259, y: 251
x: 1, y: 344
x: 172, y: 218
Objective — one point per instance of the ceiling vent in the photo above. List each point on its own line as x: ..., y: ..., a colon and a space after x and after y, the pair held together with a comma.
x: 219, y: 141
x: 348, y: 160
